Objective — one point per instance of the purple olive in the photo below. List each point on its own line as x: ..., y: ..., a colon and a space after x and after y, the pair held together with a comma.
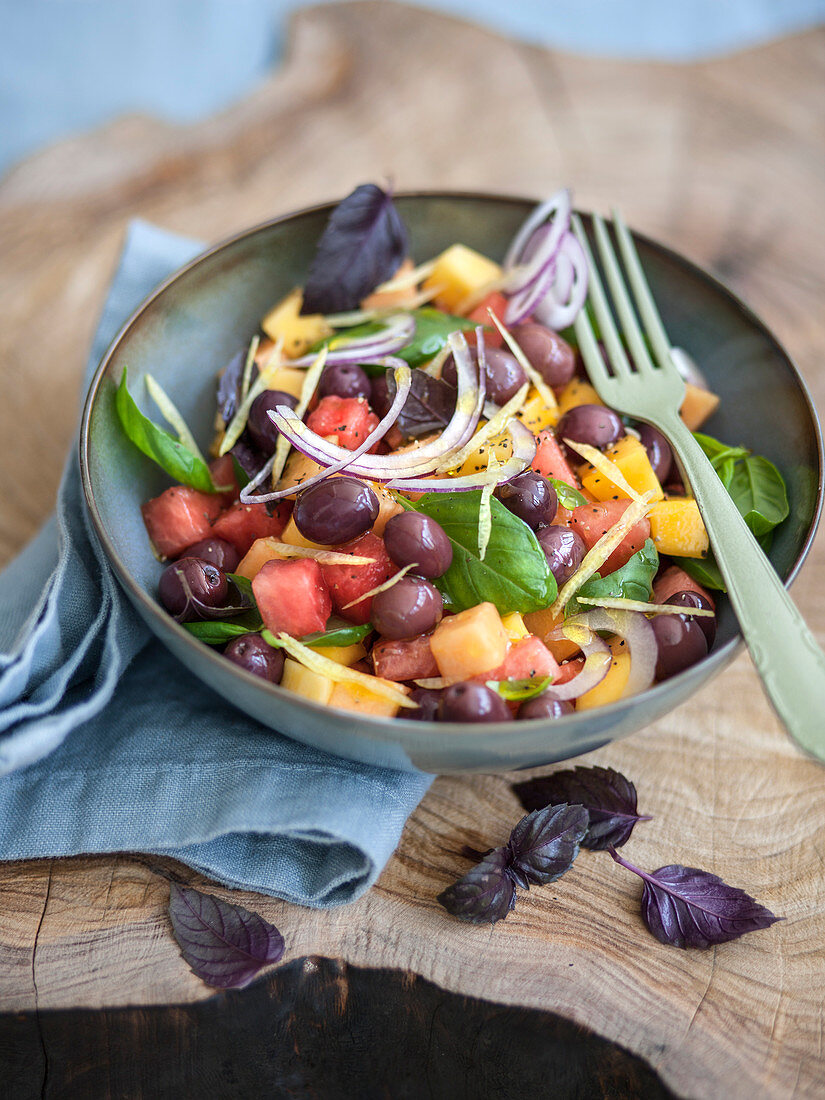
x: 696, y: 599
x: 413, y: 539
x: 543, y: 706
x: 251, y: 652
x: 187, y: 579
x: 681, y: 643
x: 504, y: 374
x: 428, y: 700
x: 218, y: 551
x: 379, y: 398
x: 564, y: 549
x: 546, y: 352
x: 410, y: 607
x: 531, y: 497
x: 344, y: 380
x: 595, y: 425
x: 472, y: 702
x: 658, y: 451
x: 262, y: 431
x: 335, y: 511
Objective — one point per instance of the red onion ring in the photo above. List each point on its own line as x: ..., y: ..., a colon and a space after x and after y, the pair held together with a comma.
x: 593, y: 671
x: 397, y: 334
x: 520, y: 265
x: 558, y: 309
x: 636, y: 630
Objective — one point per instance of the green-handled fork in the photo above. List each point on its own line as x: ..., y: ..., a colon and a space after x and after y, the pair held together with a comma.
x: 786, y: 654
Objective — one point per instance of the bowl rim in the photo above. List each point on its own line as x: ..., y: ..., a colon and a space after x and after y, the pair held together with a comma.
x: 417, y: 734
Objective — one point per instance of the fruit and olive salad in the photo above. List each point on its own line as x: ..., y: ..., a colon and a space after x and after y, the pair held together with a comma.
x: 418, y: 506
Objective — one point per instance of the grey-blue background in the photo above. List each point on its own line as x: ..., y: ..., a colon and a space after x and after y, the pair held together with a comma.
x: 67, y: 65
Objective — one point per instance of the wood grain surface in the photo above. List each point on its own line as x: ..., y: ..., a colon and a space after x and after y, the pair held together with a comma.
x: 724, y: 161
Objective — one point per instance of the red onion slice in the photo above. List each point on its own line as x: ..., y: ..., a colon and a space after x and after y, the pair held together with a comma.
x: 559, y: 310
x: 636, y: 630
x: 525, y: 302
x: 403, y: 382
x: 597, y: 659
x: 522, y: 265
x: 524, y: 451
x: 397, y: 334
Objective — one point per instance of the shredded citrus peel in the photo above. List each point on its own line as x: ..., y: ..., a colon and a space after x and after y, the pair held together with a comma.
x: 606, y: 467
x: 235, y: 428
x: 394, y: 579
x: 546, y: 392
x: 323, y: 557
x: 485, y: 518
x: 433, y: 683
x: 407, y: 279
x: 340, y: 674
x: 618, y: 603
x: 172, y: 416
x: 434, y: 367
x: 601, y: 550
x: 247, y: 367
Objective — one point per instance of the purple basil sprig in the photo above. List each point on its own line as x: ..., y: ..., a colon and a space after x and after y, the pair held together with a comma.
x: 608, y: 796
x: 224, y: 944
x: 363, y: 245
x: 541, y: 848
x: 687, y: 907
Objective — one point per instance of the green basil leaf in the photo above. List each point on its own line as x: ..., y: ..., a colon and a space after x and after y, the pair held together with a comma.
x: 243, y: 584
x: 514, y: 575
x: 159, y: 445
x: 270, y: 639
x: 634, y: 581
x: 758, y: 491
x: 516, y: 691
x: 716, y: 451
x: 432, y: 327
x: 704, y: 571
x: 338, y: 632
x: 568, y: 496
x: 215, y: 632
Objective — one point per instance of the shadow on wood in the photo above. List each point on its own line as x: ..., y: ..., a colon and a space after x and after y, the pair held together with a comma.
x: 318, y: 1028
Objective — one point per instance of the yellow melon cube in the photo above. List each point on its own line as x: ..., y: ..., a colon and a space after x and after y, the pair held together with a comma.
x: 298, y: 468
x: 469, y: 643
x: 341, y: 654
x: 303, y: 681
x: 299, y: 333
x: 360, y: 699
x: 293, y: 536
x: 677, y: 529
x: 259, y: 553
x: 288, y: 379
x: 388, y: 507
x: 612, y: 686
x: 577, y: 392
x: 697, y: 406
x: 630, y: 456
x: 515, y: 626
x: 460, y: 274
x: 501, y: 445
x: 536, y: 414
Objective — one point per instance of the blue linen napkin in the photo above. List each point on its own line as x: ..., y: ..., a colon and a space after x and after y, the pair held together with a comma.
x: 108, y: 744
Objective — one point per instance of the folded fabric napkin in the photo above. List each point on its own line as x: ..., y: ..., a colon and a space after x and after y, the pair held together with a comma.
x: 108, y: 744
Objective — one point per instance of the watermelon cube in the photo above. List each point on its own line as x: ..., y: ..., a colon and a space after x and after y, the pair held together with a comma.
x: 348, y: 419
x: 594, y: 520
x: 675, y: 580
x: 550, y: 460
x: 404, y: 658
x: 528, y: 659
x: 348, y: 582
x: 178, y: 518
x: 242, y: 524
x: 223, y: 473
x: 292, y: 596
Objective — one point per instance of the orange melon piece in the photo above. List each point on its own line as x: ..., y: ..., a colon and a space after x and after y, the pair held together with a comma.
x: 386, y: 299
x: 536, y: 414
x: 469, y: 643
x: 542, y: 623
x: 298, y: 332
x: 612, y: 686
x: 346, y: 655
x: 697, y: 406
x: 459, y: 274
x: 360, y: 699
x: 631, y: 458
x: 260, y: 552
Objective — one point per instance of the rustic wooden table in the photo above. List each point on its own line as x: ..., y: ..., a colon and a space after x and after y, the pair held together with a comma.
x: 724, y: 161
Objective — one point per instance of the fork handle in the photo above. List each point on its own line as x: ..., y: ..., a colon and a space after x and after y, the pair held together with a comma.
x: 786, y: 654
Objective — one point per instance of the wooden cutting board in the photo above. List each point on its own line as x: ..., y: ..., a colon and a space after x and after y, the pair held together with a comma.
x: 725, y: 162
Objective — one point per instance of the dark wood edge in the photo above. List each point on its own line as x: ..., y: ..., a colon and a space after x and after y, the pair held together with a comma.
x: 318, y: 1028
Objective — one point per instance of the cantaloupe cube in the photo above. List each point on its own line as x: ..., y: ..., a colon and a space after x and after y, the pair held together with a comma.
x: 543, y: 623
x: 360, y: 699
x: 293, y: 536
x: 501, y: 445
x: 697, y: 406
x: 677, y: 529
x: 341, y: 654
x: 303, y: 681
x: 460, y: 274
x: 536, y: 414
x: 577, y: 392
x: 469, y: 643
x: 612, y: 686
x: 386, y: 299
x: 515, y: 626
x: 299, y: 333
x: 298, y: 468
x: 388, y: 507
x: 260, y: 552
x: 630, y: 456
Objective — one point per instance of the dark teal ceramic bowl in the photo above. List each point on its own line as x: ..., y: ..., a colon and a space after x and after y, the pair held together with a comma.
x: 187, y: 330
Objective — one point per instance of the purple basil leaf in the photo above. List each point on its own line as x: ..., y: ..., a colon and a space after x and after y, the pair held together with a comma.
x: 224, y: 944
x: 607, y: 795
x: 229, y: 386
x: 485, y: 894
x: 363, y: 245
x: 544, y: 843
x: 687, y: 907
x: 430, y: 405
